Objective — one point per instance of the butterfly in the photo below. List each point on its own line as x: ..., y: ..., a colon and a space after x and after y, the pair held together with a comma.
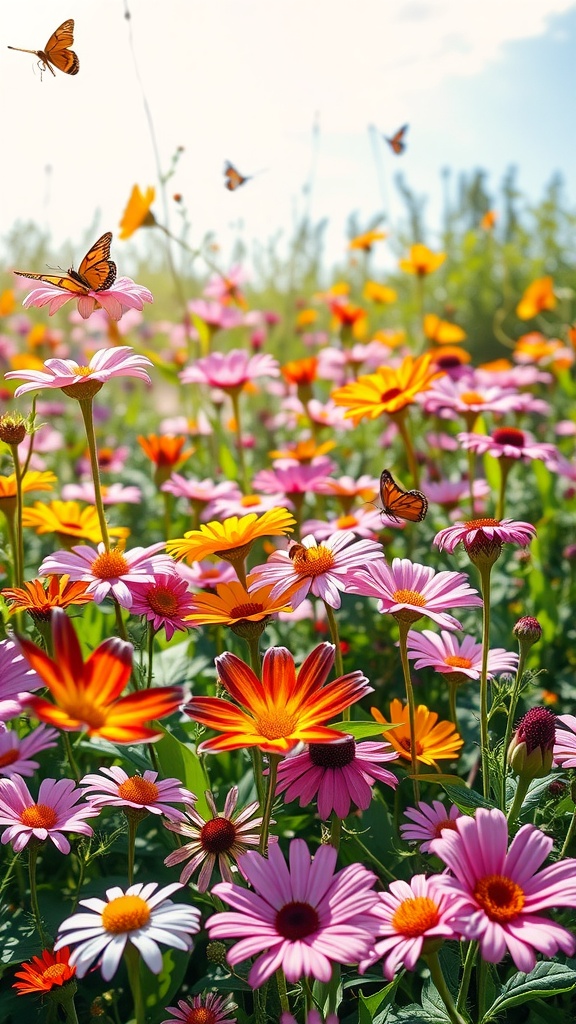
x: 396, y: 142
x: 57, y: 52
x: 95, y: 273
x: 233, y: 178
x: 401, y: 504
x: 298, y: 551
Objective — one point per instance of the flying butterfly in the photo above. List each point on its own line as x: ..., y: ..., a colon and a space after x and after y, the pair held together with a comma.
x: 96, y: 272
x: 56, y: 53
x: 396, y: 142
x: 233, y: 178
x: 401, y: 504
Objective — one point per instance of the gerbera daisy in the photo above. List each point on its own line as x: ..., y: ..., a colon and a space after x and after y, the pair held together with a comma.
x: 503, y: 890
x: 421, y: 260
x: 140, y: 916
x: 45, y: 972
x: 509, y: 443
x: 434, y: 740
x: 280, y: 710
x: 140, y: 792
x: 208, y: 1009
x: 232, y: 538
x: 108, y: 573
x: 321, y: 569
x: 165, y: 601
x: 16, y: 753
x: 408, y: 590
x: 84, y: 381
x: 389, y: 390
x: 39, y: 597
x: 303, y: 916
x: 33, y: 480
x: 67, y: 519
x: 55, y: 812
x: 427, y: 822
x: 233, y: 606
x: 339, y: 773
x: 221, y: 839
x: 485, y: 531
x: 451, y: 655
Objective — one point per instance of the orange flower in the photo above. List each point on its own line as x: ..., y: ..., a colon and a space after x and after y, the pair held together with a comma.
x: 488, y: 221
x: 379, y: 293
x: 233, y: 537
x: 433, y: 739
x: 137, y: 213
x: 443, y: 332
x: 348, y: 315
x: 7, y: 302
x: 283, y: 709
x: 165, y: 450
x: 388, y: 390
x: 232, y: 605
x: 67, y: 519
x: 422, y: 260
x: 87, y: 694
x: 45, y: 972
x: 390, y: 336
x: 39, y: 597
x: 305, y: 318
x: 300, y: 371
x: 537, y: 348
x: 337, y: 290
x: 538, y: 296
x: 449, y: 356
x: 366, y: 240
x: 303, y: 451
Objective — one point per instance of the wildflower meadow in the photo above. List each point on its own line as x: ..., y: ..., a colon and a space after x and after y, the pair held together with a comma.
x: 287, y: 700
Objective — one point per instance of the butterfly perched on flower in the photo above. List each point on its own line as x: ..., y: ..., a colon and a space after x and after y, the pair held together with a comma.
x: 400, y: 504
x: 396, y: 142
x: 96, y: 272
x: 233, y: 178
x: 57, y: 52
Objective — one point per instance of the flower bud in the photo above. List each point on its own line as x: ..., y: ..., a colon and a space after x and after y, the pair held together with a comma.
x: 528, y: 632
x: 12, y: 428
x: 531, y: 749
x: 216, y: 953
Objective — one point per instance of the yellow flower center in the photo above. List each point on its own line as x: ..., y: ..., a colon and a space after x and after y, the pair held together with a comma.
x: 9, y: 757
x: 347, y: 522
x: 248, y: 500
x: 39, y: 816
x: 163, y: 601
x: 138, y: 790
x: 109, y: 564
x: 242, y: 611
x: 409, y: 597
x: 472, y: 398
x: 500, y: 897
x: 416, y: 916
x: 276, y: 724
x: 455, y: 662
x: 125, y: 914
x: 55, y: 972
x: 313, y: 561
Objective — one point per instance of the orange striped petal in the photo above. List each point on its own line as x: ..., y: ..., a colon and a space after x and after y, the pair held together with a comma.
x: 278, y: 677
x: 126, y: 734
x: 145, y: 705
x: 220, y: 715
x: 56, y: 677
x: 240, y: 681
x: 237, y: 741
x: 53, y: 714
x: 314, y: 671
x: 107, y: 671
x: 335, y: 697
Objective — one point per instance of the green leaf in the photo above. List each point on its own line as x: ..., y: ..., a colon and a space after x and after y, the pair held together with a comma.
x: 159, y: 989
x: 546, y: 980
x: 442, y: 780
x: 369, y: 1005
x: 178, y: 761
x: 466, y: 799
x: 360, y: 730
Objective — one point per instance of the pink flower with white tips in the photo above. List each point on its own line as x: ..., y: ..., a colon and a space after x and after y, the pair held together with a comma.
x: 105, y: 364
x: 124, y: 295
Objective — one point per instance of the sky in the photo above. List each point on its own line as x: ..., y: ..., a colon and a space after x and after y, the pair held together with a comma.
x: 286, y: 90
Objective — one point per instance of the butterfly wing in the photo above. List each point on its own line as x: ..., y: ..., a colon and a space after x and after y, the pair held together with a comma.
x: 396, y: 142
x: 233, y: 178
x: 60, y: 280
x: 57, y: 49
x: 97, y: 271
x: 401, y: 504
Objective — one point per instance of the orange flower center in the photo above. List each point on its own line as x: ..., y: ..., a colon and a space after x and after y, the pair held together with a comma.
x: 296, y: 920
x: 500, y: 897
x: 390, y: 394
x: 218, y: 835
x: 125, y: 914
x: 414, y: 917
x: 313, y: 561
x: 247, y: 501
x: 347, y: 522
x: 109, y: 564
x: 243, y: 611
x: 200, y: 1015
x: 163, y: 601
x: 277, y: 724
x: 477, y: 524
x: 472, y: 398
x: 56, y: 972
x: 455, y: 662
x: 409, y: 597
x: 39, y: 816
x: 138, y: 790
x: 9, y: 757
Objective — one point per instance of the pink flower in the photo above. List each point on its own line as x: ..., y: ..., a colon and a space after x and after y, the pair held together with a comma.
x: 364, y: 522
x: 411, y: 916
x: 321, y: 569
x: 54, y: 813
x: 508, y: 443
x: 502, y: 889
x: 409, y: 590
x: 565, y: 742
x: 108, y: 573
x: 296, y: 478
x: 112, y: 494
x: 17, y: 679
x: 303, y: 916
x: 451, y: 492
x: 140, y: 792
x: 493, y: 531
x: 164, y: 601
x: 229, y: 371
x: 206, y: 575
x: 15, y: 753
x: 427, y: 822
x: 216, y: 315
x: 338, y: 773
x: 200, y: 492
x: 124, y: 295
x: 468, y: 397
x: 223, y: 287
x: 105, y: 364
x: 211, y: 1009
x: 449, y: 654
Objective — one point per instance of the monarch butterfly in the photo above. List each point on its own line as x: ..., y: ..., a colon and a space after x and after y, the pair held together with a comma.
x: 396, y: 142
x: 57, y: 52
x: 233, y: 178
x: 95, y: 273
x: 401, y: 504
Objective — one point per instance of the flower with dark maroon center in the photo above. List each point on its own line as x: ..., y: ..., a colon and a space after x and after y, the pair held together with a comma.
x: 531, y: 749
x: 297, y: 920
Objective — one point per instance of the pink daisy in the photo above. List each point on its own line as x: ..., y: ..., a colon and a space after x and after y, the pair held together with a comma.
x: 491, y: 531
x: 295, y: 478
x: 467, y: 397
x: 217, y: 316
x: 125, y: 295
x: 206, y: 575
x: 364, y: 522
x: 427, y: 822
x: 223, y: 287
x: 230, y: 371
x: 508, y: 443
x: 409, y: 590
x: 108, y: 573
x: 411, y: 918
x: 338, y: 773
x: 15, y: 753
x: 55, y: 812
x: 120, y: 361
x: 565, y: 742
x: 321, y: 569
x: 449, y: 654
x: 208, y: 1009
x: 303, y: 915
x: 164, y: 602
x: 502, y: 890
x: 140, y: 792
x: 221, y: 838
x: 17, y: 679
x: 200, y: 492
x: 451, y: 492
x: 112, y: 494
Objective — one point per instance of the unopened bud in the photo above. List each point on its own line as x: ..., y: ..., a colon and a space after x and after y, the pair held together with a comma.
x: 527, y: 631
x: 12, y: 428
x: 531, y: 749
x: 216, y: 953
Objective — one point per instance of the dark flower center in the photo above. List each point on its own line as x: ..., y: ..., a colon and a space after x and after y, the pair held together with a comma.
x: 217, y: 835
x: 509, y: 435
x: 537, y: 729
x: 335, y: 754
x: 297, y: 920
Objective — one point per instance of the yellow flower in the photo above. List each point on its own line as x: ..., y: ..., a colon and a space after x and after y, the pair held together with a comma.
x: 379, y: 293
x: 68, y: 519
x: 366, y: 240
x: 537, y: 348
x: 32, y: 481
x: 305, y: 318
x: 232, y: 604
x: 538, y: 296
x: 337, y: 290
x: 303, y: 451
x: 387, y: 390
x: 137, y: 213
x: 443, y: 332
x: 233, y: 537
x: 390, y: 336
x: 422, y: 260
x: 434, y: 739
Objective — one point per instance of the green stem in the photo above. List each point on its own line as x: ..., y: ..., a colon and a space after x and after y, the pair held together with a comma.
x: 256, y: 758
x: 149, y: 667
x: 466, y: 975
x: 32, y: 859
x: 510, y: 722
x: 132, y: 828
x: 378, y: 863
x: 132, y: 961
x: 335, y: 831
x: 18, y: 550
x: 403, y: 629
x: 65, y: 998
x: 471, y: 474
x: 443, y: 990
x: 481, y: 982
x: 521, y: 790
x: 167, y: 500
x: 238, y: 425
x: 70, y: 755
x: 484, y: 744
x: 338, y: 663
x: 569, y: 835
x: 273, y: 760
x: 86, y: 408
x: 452, y: 691
x: 399, y: 419
x: 282, y: 990
x: 505, y: 467
x: 121, y: 628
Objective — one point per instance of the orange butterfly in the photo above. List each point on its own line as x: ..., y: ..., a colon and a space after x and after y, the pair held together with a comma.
x: 233, y: 178
x: 401, y: 504
x: 57, y: 52
x: 396, y: 142
x: 95, y: 273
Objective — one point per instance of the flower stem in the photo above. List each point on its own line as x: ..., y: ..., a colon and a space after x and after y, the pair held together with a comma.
x: 70, y: 755
x: 521, y: 790
x: 335, y: 831
x: 240, y: 447
x: 484, y: 743
x: 403, y: 628
x: 132, y: 961
x: 466, y: 975
x: 273, y: 760
x: 338, y: 663
x: 569, y: 835
x: 452, y: 691
x: 505, y: 467
x: 86, y: 408
x: 282, y: 990
x: 64, y: 996
x: 32, y: 859
x: 18, y: 550
x: 443, y: 990
x: 510, y: 721
x: 132, y: 827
